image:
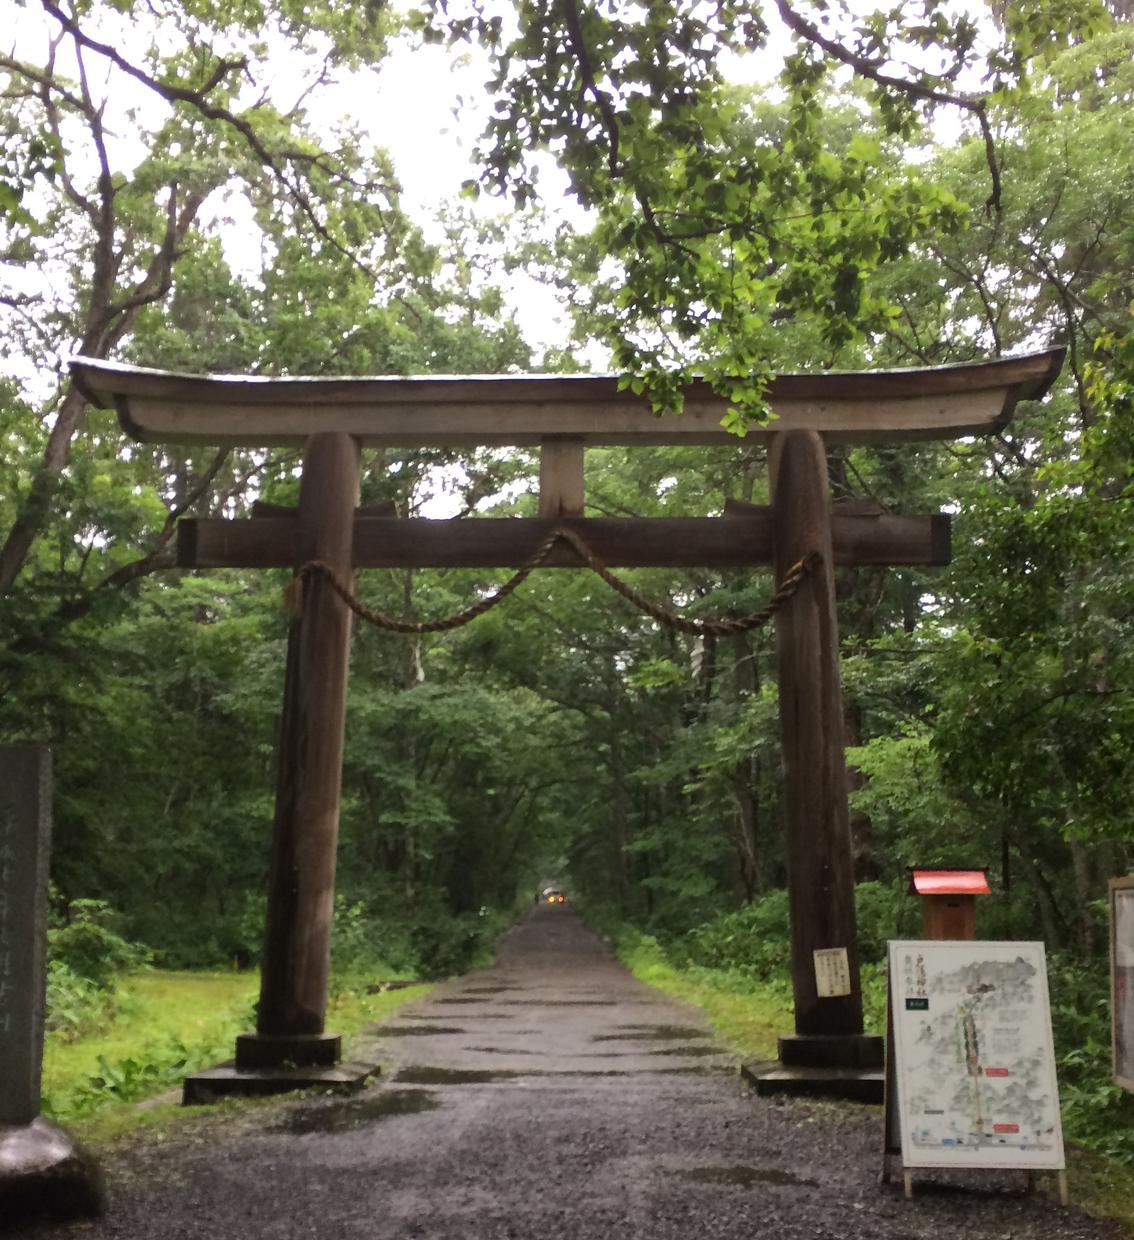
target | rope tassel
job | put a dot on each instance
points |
(790, 583)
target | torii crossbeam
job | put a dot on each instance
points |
(335, 418)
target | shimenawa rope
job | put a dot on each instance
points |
(663, 615)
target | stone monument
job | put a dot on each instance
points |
(43, 1171)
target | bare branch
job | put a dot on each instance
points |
(158, 280)
(196, 98)
(45, 79)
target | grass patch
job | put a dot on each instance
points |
(167, 1023)
(351, 1011)
(749, 1016)
(153, 1009)
(164, 1023)
(155, 1121)
(1101, 1186)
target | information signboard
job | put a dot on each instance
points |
(973, 1055)
(1122, 978)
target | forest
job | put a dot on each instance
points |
(754, 189)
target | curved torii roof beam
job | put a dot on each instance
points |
(942, 402)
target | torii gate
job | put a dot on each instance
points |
(562, 415)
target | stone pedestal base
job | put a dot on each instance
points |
(228, 1080)
(858, 1050)
(284, 1050)
(46, 1174)
(835, 1066)
(770, 1077)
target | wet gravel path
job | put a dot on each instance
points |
(552, 1095)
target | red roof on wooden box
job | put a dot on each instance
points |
(949, 882)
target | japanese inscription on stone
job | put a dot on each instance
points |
(25, 822)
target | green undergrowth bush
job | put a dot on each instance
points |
(754, 941)
(90, 943)
(75, 1005)
(429, 942)
(366, 945)
(152, 1069)
(458, 943)
(87, 956)
(1096, 1112)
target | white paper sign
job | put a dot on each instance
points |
(974, 1058)
(832, 972)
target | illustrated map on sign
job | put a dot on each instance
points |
(975, 1062)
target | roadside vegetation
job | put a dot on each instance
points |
(121, 1030)
(735, 968)
(166, 1024)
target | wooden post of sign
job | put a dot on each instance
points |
(828, 1025)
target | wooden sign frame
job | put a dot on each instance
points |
(1121, 903)
(926, 977)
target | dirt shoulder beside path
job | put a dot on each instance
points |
(551, 1095)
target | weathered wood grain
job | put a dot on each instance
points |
(860, 406)
(631, 542)
(561, 489)
(820, 869)
(297, 939)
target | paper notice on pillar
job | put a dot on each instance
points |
(832, 972)
(974, 1059)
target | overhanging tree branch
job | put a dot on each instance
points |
(197, 98)
(975, 105)
(159, 556)
(615, 166)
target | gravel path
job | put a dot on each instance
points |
(550, 1096)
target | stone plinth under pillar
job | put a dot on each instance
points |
(828, 1066)
(226, 1080)
(285, 1050)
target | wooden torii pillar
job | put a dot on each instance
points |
(334, 418)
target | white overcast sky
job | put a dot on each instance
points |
(431, 140)
(406, 105)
